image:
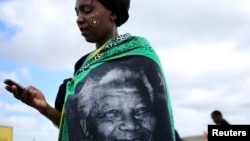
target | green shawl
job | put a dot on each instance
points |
(115, 49)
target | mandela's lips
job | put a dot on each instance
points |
(135, 139)
(140, 135)
(128, 140)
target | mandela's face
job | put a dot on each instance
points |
(122, 114)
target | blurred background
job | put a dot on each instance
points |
(204, 47)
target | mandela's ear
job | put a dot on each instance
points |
(84, 127)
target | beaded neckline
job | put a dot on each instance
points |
(110, 44)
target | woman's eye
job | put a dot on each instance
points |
(86, 10)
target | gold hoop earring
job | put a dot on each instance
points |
(113, 18)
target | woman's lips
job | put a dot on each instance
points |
(83, 30)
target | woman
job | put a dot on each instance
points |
(98, 21)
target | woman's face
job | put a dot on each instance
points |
(95, 21)
(123, 114)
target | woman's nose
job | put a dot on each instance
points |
(80, 19)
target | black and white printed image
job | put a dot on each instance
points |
(120, 105)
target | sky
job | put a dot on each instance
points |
(204, 47)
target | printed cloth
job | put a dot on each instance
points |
(119, 93)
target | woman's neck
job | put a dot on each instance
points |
(113, 34)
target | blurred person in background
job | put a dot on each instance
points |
(218, 119)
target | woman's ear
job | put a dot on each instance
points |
(113, 16)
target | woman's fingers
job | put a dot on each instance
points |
(24, 97)
(15, 92)
(8, 88)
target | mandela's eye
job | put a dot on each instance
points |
(140, 111)
(112, 114)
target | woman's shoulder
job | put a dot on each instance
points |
(79, 62)
(137, 37)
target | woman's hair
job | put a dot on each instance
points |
(119, 7)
